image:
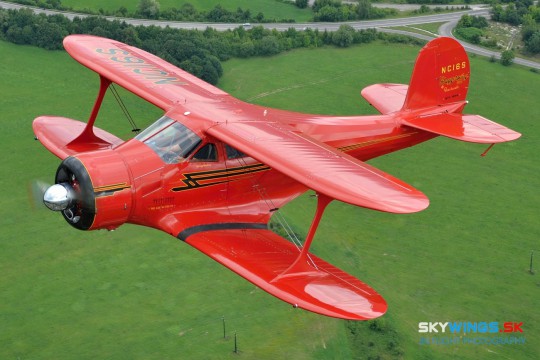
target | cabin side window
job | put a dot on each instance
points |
(233, 153)
(206, 153)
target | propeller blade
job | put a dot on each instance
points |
(36, 190)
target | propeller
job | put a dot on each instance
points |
(57, 197)
(36, 190)
(72, 194)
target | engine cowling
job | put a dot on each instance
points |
(92, 190)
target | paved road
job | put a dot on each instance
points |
(279, 26)
(449, 19)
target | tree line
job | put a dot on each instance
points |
(323, 10)
(151, 9)
(335, 11)
(198, 52)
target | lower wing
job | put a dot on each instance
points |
(270, 262)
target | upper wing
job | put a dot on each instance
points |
(386, 98)
(320, 167)
(140, 72)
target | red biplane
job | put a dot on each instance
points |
(213, 170)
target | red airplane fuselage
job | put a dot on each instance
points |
(225, 187)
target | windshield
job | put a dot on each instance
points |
(172, 141)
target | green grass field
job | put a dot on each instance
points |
(271, 9)
(138, 294)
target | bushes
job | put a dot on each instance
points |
(334, 10)
(471, 29)
(507, 57)
(375, 339)
(470, 34)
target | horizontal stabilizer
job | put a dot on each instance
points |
(263, 258)
(470, 128)
(386, 98)
(57, 134)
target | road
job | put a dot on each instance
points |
(449, 19)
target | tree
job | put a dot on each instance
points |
(344, 36)
(472, 34)
(479, 22)
(319, 4)
(507, 57)
(533, 44)
(209, 73)
(130, 36)
(497, 13)
(363, 10)
(245, 49)
(122, 11)
(327, 13)
(49, 36)
(148, 8)
(302, 4)
(511, 15)
(465, 21)
(269, 45)
(365, 36)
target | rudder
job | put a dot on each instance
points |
(440, 75)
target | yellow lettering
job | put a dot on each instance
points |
(453, 67)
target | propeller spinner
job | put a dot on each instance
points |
(58, 197)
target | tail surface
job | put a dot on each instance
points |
(440, 76)
(436, 95)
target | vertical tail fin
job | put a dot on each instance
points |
(440, 76)
(436, 96)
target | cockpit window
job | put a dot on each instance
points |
(172, 141)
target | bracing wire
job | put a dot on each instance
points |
(278, 215)
(125, 110)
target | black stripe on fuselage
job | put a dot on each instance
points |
(220, 226)
(195, 180)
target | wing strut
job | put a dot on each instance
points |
(88, 136)
(304, 265)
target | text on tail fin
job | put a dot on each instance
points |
(440, 76)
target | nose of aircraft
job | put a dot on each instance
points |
(58, 197)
